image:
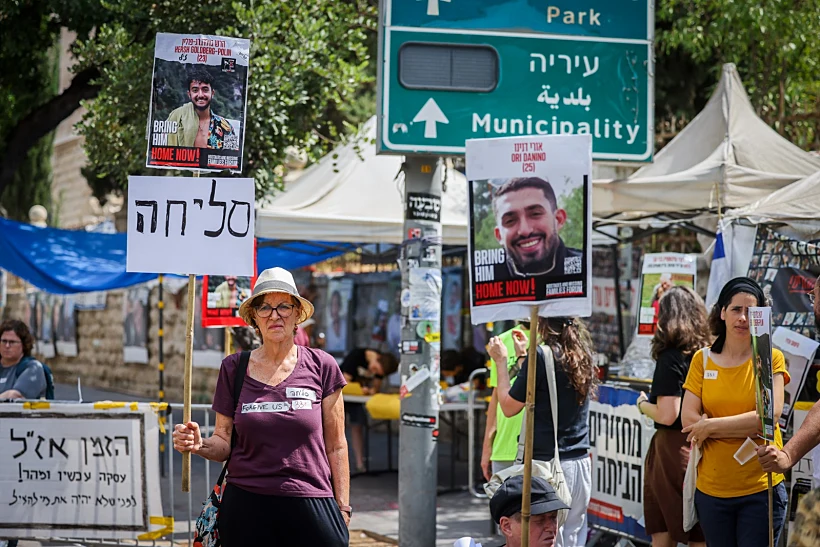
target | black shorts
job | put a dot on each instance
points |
(248, 519)
(357, 413)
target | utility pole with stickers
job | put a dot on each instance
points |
(420, 260)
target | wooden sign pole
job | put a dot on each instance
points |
(189, 367)
(528, 431)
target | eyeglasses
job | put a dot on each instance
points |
(811, 297)
(10, 342)
(284, 310)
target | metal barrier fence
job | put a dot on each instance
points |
(185, 507)
(184, 516)
(471, 434)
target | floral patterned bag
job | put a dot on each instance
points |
(207, 529)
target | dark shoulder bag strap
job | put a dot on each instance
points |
(238, 380)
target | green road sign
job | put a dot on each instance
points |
(630, 19)
(454, 79)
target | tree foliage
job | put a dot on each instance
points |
(311, 72)
(483, 217)
(309, 61)
(772, 42)
(28, 79)
(572, 233)
(32, 107)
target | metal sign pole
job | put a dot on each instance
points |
(421, 316)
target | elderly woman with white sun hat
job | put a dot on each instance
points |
(288, 476)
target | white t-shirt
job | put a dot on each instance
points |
(815, 467)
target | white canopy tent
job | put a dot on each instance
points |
(354, 196)
(726, 157)
(797, 205)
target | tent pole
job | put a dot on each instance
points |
(618, 312)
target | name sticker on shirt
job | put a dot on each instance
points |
(710, 374)
(300, 393)
(265, 407)
(301, 404)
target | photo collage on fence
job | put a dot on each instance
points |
(52, 320)
(786, 270)
(604, 319)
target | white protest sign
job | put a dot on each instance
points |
(799, 353)
(73, 469)
(530, 226)
(190, 225)
(603, 296)
(661, 272)
(619, 440)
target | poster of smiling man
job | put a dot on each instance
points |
(530, 226)
(198, 102)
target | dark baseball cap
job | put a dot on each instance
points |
(507, 499)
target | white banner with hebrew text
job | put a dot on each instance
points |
(69, 470)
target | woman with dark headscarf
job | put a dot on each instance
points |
(719, 413)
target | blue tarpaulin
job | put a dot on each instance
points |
(71, 261)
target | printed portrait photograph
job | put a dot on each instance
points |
(538, 223)
(206, 103)
(227, 291)
(336, 315)
(135, 325)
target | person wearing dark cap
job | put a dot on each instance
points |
(719, 413)
(505, 507)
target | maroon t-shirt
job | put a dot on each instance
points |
(280, 446)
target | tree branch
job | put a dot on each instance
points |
(44, 119)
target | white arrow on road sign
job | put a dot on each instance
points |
(432, 6)
(430, 114)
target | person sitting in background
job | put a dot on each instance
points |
(368, 367)
(21, 375)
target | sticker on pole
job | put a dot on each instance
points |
(530, 226)
(198, 100)
(418, 420)
(414, 381)
(422, 206)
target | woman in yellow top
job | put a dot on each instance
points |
(719, 414)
